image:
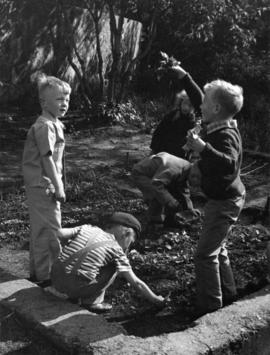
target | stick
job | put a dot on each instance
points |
(249, 165)
(257, 154)
(252, 171)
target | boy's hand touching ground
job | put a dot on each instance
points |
(159, 300)
(163, 301)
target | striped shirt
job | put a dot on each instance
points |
(109, 254)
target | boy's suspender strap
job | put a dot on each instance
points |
(86, 250)
(80, 255)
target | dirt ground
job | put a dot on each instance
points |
(98, 166)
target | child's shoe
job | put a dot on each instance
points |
(98, 307)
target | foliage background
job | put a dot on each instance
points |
(221, 38)
(228, 39)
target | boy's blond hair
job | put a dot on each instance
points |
(45, 82)
(229, 96)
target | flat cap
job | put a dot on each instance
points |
(127, 220)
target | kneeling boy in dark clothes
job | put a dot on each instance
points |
(163, 180)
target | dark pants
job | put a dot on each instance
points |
(78, 286)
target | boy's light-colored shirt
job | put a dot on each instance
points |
(44, 137)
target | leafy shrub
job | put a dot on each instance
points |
(138, 111)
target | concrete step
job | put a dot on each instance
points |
(242, 328)
(66, 325)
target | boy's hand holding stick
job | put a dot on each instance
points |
(194, 142)
(194, 134)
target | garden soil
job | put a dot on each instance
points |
(98, 164)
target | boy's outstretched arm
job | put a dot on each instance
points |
(142, 288)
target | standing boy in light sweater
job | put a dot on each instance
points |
(42, 171)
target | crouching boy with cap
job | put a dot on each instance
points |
(89, 264)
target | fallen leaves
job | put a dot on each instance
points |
(162, 257)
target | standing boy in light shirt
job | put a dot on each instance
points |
(42, 171)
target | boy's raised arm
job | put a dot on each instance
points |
(193, 91)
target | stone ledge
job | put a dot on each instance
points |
(242, 328)
(65, 324)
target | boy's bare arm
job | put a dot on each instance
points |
(67, 233)
(142, 288)
(51, 172)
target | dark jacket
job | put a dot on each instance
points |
(220, 164)
(170, 134)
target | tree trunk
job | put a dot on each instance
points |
(126, 76)
(80, 72)
(57, 38)
(116, 33)
(100, 59)
(82, 84)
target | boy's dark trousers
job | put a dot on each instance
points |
(76, 285)
(214, 277)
